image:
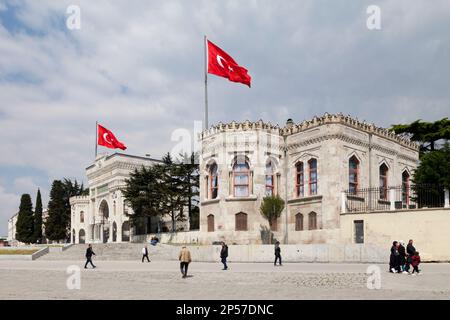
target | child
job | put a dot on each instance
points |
(415, 261)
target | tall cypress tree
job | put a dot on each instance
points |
(25, 220)
(38, 218)
(56, 225)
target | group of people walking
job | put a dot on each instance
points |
(402, 259)
(185, 257)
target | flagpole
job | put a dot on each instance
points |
(96, 138)
(206, 83)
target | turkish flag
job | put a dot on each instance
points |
(107, 139)
(221, 64)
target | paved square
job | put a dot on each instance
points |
(162, 280)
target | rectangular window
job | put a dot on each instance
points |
(359, 231)
(241, 183)
(269, 185)
(299, 182)
(312, 177)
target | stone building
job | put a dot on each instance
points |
(101, 216)
(308, 164)
(12, 228)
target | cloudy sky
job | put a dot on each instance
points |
(137, 68)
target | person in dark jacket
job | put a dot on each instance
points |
(410, 252)
(224, 255)
(277, 253)
(415, 261)
(393, 259)
(89, 253)
(145, 254)
(401, 257)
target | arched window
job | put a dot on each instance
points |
(81, 236)
(81, 217)
(353, 174)
(213, 181)
(298, 222)
(210, 223)
(270, 181)
(312, 220)
(405, 188)
(241, 179)
(299, 181)
(126, 231)
(312, 176)
(383, 181)
(241, 221)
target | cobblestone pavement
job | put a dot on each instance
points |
(162, 280)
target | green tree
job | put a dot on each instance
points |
(191, 180)
(426, 133)
(165, 189)
(25, 220)
(434, 168)
(57, 223)
(143, 193)
(271, 208)
(174, 194)
(38, 218)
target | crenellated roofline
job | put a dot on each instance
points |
(292, 128)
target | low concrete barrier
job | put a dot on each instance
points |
(60, 248)
(351, 253)
(26, 257)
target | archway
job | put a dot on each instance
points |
(73, 235)
(126, 231)
(104, 214)
(82, 236)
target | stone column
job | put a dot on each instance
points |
(446, 198)
(119, 232)
(111, 232)
(343, 202)
(392, 199)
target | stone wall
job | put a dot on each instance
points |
(429, 228)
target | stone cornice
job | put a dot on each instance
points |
(241, 126)
(316, 140)
(349, 139)
(308, 124)
(79, 200)
(115, 165)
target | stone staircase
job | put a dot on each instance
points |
(115, 251)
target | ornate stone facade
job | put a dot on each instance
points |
(101, 216)
(307, 164)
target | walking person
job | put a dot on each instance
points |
(401, 257)
(145, 254)
(415, 261)
(410, 250)
(89, 254)
(277, 253)
(185, 259)
(224, 255)
(393, 259)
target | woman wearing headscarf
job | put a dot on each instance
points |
(393, 259)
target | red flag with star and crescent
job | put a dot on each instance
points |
(222, 65)
(107, 139)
